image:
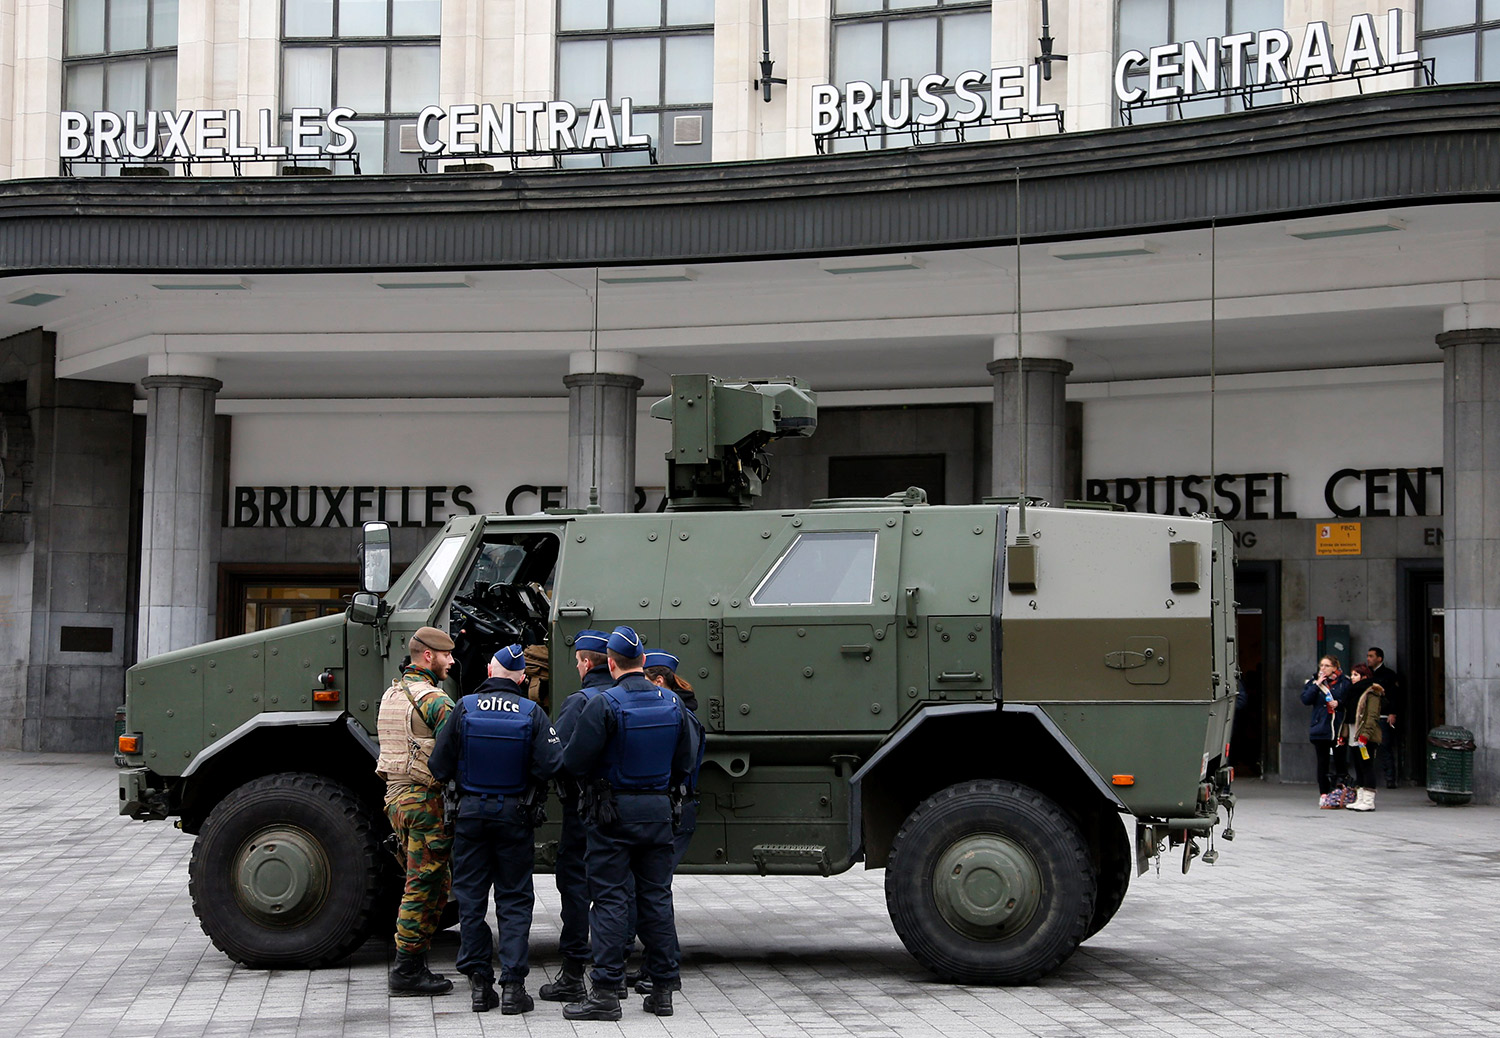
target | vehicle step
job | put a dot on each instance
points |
(816, 854)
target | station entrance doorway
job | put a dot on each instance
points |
(1254, 745)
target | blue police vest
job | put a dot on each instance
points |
(495, 752)
(640, 755)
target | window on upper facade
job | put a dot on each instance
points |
(1462, 37)
(1143, 24)
(659, 54)
(878, 40)
(119, 56)
(378, 57)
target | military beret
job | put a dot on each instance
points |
(434, 639)
(591, 641)
(512, 657)
(657, 658)
(626, 642)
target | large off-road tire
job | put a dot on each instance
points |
(989, 882)
(286, 873)
(1111, 874)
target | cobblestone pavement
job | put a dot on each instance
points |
(1311, 923)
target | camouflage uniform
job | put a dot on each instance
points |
(425, 835)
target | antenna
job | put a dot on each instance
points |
(597, 438)
(1020, 372)
(1213, 356)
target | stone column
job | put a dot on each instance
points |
(1044, 380)
(601, 429)
(1471, 536)
(177, 510)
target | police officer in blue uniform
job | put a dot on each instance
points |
(500, 749)
(634, 743)
(661, 669)
(571, 869)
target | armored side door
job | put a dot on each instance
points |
(809, 634)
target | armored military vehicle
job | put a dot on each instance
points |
(970, 697)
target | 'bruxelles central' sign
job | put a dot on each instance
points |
(519, 128)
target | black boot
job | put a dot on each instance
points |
(659, 1002)
(568, 987)
(482, 997)
(601, 1004)
(514, 999)
(643, 986)
(410, 976)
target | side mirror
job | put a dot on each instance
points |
(375, 559)
(365, 609)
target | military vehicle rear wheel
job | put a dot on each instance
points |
(1112, 876)
(989, 882)
(285, 874)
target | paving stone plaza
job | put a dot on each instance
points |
(1311, 923)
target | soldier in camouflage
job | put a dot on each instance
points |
(411, 712)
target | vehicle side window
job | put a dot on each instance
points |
(424, 591)
(822, 569)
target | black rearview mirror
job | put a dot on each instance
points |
(375, 558)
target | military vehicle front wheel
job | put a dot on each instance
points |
(285, 873)
(989, 882)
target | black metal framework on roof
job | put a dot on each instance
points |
(1426, 146)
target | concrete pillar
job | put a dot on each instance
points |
(601, 429)
(1042, 374)
(177, 510)
(1471, 533)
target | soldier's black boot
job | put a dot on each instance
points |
(514, 999)
(601, 1004)
(568, 987)
(658, 1002)
(410, 976)
(482, 996)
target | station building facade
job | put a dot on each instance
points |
(270, 269)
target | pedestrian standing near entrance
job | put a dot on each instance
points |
(572, 845)
(1364, 747)
(412, 712)
(500, 751)
(1395, 706)
(1322, 694)
(632, 744)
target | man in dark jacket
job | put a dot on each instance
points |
(500, 749)
(1395, 704)
(1323, 693)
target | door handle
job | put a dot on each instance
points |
(581, 611)
(959, 675)
(856, 650)
(911, 607)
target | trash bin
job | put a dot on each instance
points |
(1450, 765)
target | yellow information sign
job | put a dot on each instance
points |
(1338, 538)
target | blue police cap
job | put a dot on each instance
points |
(512, 657)
(626, 642)
(657, 658)
(591, 641)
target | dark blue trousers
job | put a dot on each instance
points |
(493, 849)
(680, 841)
(637, 846)
(573, 886)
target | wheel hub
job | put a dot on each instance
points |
(986, 886)
(281, 876)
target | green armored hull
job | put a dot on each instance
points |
(970, 697)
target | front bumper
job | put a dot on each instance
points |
(139, 799)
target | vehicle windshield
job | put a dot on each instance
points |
(424, 590)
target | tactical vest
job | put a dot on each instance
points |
(405, 740)
(495, 753)
(640, 755)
